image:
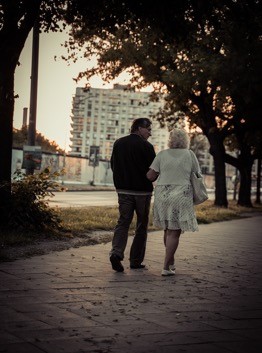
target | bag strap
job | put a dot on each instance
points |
(194, 167)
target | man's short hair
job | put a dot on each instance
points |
(140, 122)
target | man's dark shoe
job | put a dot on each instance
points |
(134, 267)
(116, 263)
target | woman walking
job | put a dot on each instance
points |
(173, 209)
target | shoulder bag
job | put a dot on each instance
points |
(199, 187)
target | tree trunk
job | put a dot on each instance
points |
(218, 152)
(6, 132)
(245, 170)
(220, 180)
(11, 45)
(244, 196)
(258, 194)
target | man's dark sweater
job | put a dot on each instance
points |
(130, 161)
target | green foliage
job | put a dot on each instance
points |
(28, 208)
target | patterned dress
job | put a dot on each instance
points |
(173, 197)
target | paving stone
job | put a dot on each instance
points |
(71, 301)
(23, 347)
(253, 346)
(7, 338)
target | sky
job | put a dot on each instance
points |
(56, 87)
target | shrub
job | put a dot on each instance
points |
(29, 208)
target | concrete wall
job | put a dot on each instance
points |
(77, 169)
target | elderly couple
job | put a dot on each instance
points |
(135, 166)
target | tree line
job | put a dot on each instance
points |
(20, 138)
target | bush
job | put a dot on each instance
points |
(29, 208)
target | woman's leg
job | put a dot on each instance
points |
(172, 241)
(165, 235)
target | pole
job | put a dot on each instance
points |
(34, 81)
(33, 92)
(24, 117)
(94, 170)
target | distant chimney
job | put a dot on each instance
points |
(25, 110)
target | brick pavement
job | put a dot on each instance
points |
(71, 301)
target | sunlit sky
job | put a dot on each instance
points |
(56, 87)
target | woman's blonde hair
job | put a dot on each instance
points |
(178, 138)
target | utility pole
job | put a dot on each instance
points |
(34, 81)
(33, 97)
(24, 124)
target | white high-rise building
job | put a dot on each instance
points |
(100, 116)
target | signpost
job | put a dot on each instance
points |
(94, 160)
(32, 158)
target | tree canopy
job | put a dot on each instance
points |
(205, 57)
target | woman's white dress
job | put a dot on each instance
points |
(173, 197)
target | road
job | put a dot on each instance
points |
(87, 198)
(84, 198)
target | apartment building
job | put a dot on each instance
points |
(100, 116)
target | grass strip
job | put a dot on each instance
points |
(79, 221)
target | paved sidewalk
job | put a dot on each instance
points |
(72, 301)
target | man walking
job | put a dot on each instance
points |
(131, 157)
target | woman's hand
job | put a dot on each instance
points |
(152, 175)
